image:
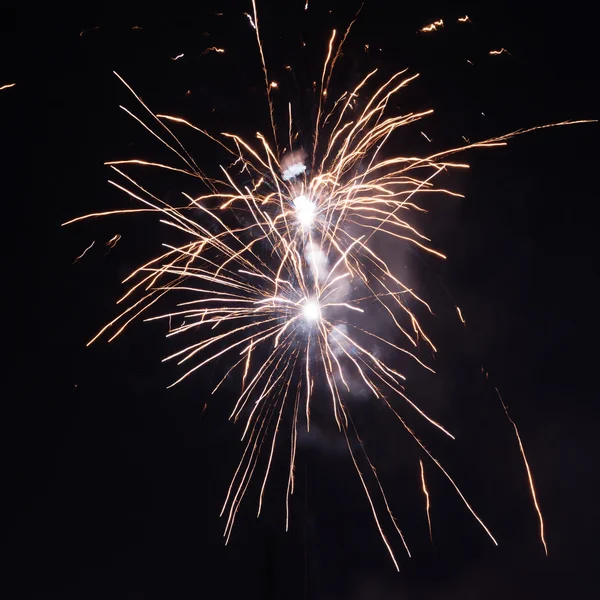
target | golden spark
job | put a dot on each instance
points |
(529, 475)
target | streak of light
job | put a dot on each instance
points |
(460, 316)
(470, 62)
(213, 49)
(425, 136)
(464, 19)
(7, 86)
(178, 56)
(251, 20)
(498, 52)
(433, 26)
(113, 241)
(90, 29)
(424, 487)
(529, 475)
(84, 252)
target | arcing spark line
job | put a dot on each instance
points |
(278, 269)
(529, 475)
(426, 494)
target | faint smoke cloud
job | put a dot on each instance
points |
(317, 260)
(292, 165)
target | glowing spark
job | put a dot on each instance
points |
(136, 28)
(425, 136)
(274, 84)
(213, 49)
(433, 26)
(366, 47)
(460, 315)
(84, 252)
(497, 52)
(306, 5)
(467, 140)
(113, 241)
(464, 19)
(177, 57)
(305, 211)
(470, 62)
(424, 487)
(529, 475)
(8, 85)
(311, 310)
(251, 20)
(90, 29)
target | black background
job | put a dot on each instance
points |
(114, 484)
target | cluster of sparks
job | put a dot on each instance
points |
(279, 271)
(440, 23)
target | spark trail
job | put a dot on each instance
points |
(529, 475)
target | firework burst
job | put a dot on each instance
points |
(278, 270)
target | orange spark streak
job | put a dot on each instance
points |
(90, 29)
(211, 49)
(460, 316)
(84, 252)
(113, 240)
(433, 26)
(424, 487)
(7, 86)
(529, 475)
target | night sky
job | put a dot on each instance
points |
(114, 483)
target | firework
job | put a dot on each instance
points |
(278, 270)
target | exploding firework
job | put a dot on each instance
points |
(278, 270)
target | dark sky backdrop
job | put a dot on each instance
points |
(114, 484)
